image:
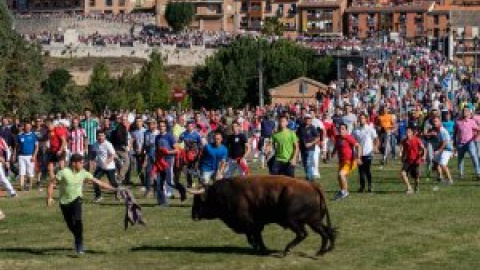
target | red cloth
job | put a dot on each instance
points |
(344, 146)
(243, 165)
(411, 148)
(160, 164)
(55, 137)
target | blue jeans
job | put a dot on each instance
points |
(308, 163)
(164, 180)
(471, 148)
(282, 168)
(148, 172)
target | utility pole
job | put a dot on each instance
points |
(260, 76)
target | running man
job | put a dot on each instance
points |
(27, 151)
(442, 152)
(286, 148)
(238, 149)
(213, 160)
(70, 183)
(413, 152)
(105, 163)
(348, 158)
(367, 137)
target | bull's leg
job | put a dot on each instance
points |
(320, 229)
(301, 234)
(251, 241)
(259, 240)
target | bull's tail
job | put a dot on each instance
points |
(329, 229)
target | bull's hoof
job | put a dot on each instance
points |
(321, 253)
(285, 253)
(263, 251)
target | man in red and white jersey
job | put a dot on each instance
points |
(77, 138)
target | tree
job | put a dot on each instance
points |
(21, 70)
(272, 27)
(153, 83)
(57, 81)
(230, 77)
(179, 15)
(100, 89)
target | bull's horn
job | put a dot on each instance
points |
(196, 191)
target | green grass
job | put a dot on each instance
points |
(386, 230)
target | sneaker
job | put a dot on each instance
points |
(97, 199)
(341, 195)
(447, 182)
(361, 190)
(13, 195)
(143, 189)
(409, 192)
(416, 189)
(79, 249)
(461, 176)
(370, 190)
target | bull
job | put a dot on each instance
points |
(246, 204)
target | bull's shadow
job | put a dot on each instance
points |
(201, 250)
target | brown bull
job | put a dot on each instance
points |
(247, 204)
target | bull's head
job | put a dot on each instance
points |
(200, 208)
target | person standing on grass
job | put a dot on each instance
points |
(442, 152)
(286, 148)
(345, 145)
(464, 133)
(70, 184)
(77, 138)
(5, 155)
(213, 160)
(105, 163)
(120, 142)
(367, 137)
(27, 150)
(308, 136)
(149, 151)
(57, 151)
(91, 127)
(238, 150)
(413, 152)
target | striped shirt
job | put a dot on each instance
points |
(90, 126)
(77, 141)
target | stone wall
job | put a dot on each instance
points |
(84, 26)
(172, 55)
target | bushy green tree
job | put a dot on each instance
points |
(179, 14)
(153, 83)
(100, 89)
(272, 27)
(230, 77)
(21, 70)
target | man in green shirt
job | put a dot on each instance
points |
(285, 145)
(70, 185)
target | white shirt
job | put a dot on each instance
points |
(317, 123)
(103, 150)
(365, 136)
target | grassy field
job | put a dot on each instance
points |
(385, 230)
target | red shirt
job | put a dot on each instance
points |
(344, 145)
(411, 149)
(329, 129)
(55, 137)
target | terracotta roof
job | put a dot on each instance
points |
(296, 81)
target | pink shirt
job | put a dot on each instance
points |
(476, 117)
(465, 130)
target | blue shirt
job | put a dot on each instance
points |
(27, 143)
(449, 125)
(267, 127)
(166, 140)
(212, 156)
(191, 136)
(444, 137)
(402, 128)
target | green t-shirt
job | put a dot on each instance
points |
(71, 184)
(284, 142)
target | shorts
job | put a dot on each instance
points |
(443, 157)
(92, 153)
(411, 169)
(347, 167)
(54, 158)
(206, 177)
(26, 166)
